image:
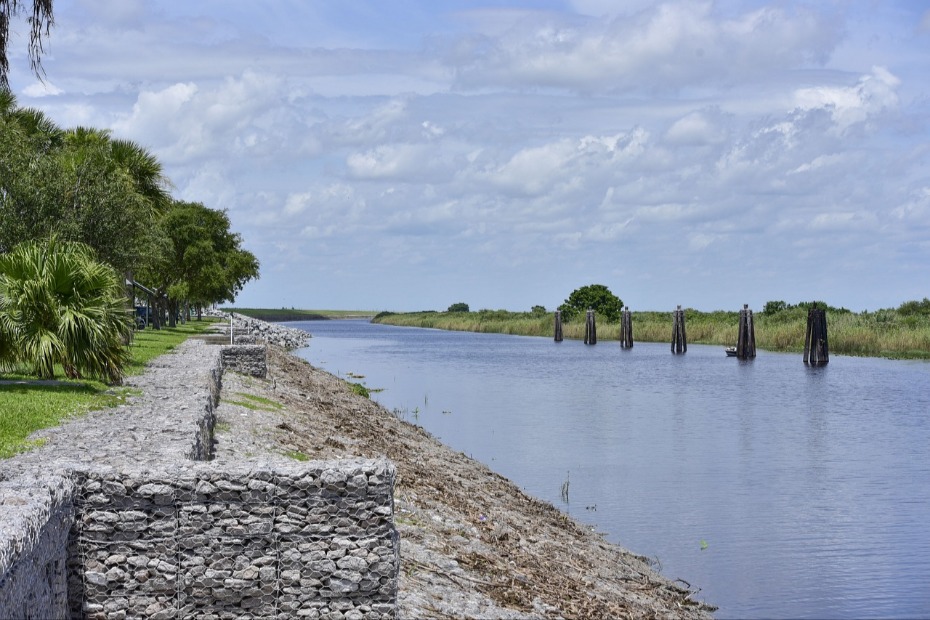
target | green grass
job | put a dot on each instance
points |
(26, 408)
(255, 403)
(359, 389)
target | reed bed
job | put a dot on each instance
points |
(885, 333)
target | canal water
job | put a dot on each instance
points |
(777, 489)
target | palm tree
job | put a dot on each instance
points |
(41, 131)
(29, 175)
(143, 171)
(40, 22)
(59, 305)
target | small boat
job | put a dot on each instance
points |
(730, 351)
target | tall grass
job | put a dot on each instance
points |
(886, 333)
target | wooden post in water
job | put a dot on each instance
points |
(590, 328)
(746, 339)
(816, 347)
(626, 329)
(679, 336)
(558, 326)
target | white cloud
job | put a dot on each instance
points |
(701, 241)
(42, 89)
(821, 161)
(155, 112)
(916, 210)
(669, 46)
(337, 199)
(695, 129)
(871, 95)
(532, 171)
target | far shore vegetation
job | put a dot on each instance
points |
(283, 315)
(897, 333)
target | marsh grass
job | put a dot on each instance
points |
(255, 403)
(297, 455)
(885, 333)
(359, 389)
(28, 405)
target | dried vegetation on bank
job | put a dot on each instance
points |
(472, 543)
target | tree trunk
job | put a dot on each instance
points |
(156, 313)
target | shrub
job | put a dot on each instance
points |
(59, 305)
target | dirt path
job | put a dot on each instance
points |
(472, 543)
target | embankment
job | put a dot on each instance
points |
(132, 512)
(473, 545)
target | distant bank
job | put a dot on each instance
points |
(900, 333)
(275, 315)
(894, 334)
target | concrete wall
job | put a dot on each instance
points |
(200, 539)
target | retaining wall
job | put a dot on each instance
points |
(181, 540)
(247, 359)
(36, 515)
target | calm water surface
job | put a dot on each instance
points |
(778, 489)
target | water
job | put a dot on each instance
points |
(778, 489)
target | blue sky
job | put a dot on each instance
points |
(409, 155)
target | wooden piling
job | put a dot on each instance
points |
(558, 326)
(746, 338)
(816, 346)
(626, 329)
(590, 328)
(679, 336)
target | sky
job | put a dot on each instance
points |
(411, 154)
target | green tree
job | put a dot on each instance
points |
(40, 23)
(914, 307)
(29, 173)
(109, 195)
(78, 184)
(538, 310)
(197, 258)
(595, 297)
(60, 305)
(458, 307)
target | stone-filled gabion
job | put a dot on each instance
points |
(245, 359)
(255, 331)
(309, 540)
(96, 536)
(37, 517)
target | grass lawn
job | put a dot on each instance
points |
(28, 407)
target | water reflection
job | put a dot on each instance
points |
(780, 489)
